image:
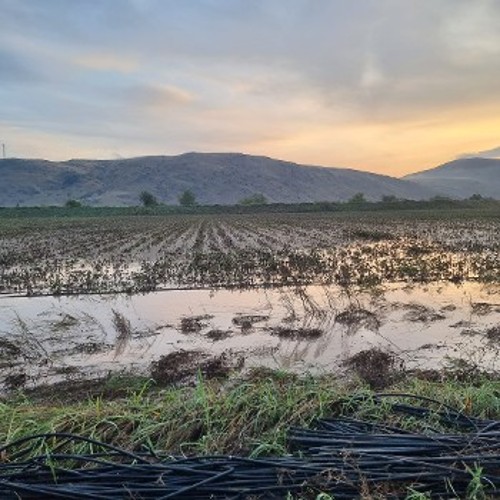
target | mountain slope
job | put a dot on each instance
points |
(462, 178)
(215, 178)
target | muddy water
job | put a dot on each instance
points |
(47, 339)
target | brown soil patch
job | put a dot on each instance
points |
(449, 308)
(73, 391)
(462, 324)
(375, 367)
(15, 381)
(180, 366)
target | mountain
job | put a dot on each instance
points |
(215, 178)
(462, 178)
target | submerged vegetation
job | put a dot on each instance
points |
(145, 253)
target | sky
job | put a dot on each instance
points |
(387, 86)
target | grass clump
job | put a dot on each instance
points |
(251, 416)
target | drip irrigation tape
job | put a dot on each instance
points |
(341, 456)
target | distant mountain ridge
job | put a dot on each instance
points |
(462, 178)
(214, 178)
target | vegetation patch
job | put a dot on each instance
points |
(9, 349)
(247, 321)
(150, 248)
(356, 317)
(484, 308)
(284, 332)
(216, 335)
(493, 335)
(194, 324)
(418, 313)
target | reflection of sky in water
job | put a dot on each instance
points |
(421, 324)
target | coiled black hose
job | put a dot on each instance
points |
(341, 456)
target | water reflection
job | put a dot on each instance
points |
(311, 328)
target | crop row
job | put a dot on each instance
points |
(131, 254)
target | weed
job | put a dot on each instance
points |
(475, 488)
(124, 332)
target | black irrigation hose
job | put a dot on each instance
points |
(340, 456)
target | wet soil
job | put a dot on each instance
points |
(376, 367)
(183, 366)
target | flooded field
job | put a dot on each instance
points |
(317, 329)
(138, 254)
(168, 296)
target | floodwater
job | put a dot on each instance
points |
(314, 328)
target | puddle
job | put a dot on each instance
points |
(314, 328)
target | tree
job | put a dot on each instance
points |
(148, 199)
(476, 197)
(389, 198)
(358, 198)
(187, 198)
(255, 199)
(72, 204)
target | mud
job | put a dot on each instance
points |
(185, 366)
(376, 367)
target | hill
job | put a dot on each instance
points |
(462, 178)
(215, 178)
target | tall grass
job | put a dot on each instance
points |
(248, 417)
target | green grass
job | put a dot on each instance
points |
(250, 416)
(487, 207)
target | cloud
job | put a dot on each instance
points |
(381, 84)
(107, 62)
(157, 96)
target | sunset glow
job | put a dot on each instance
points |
(385, 86)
